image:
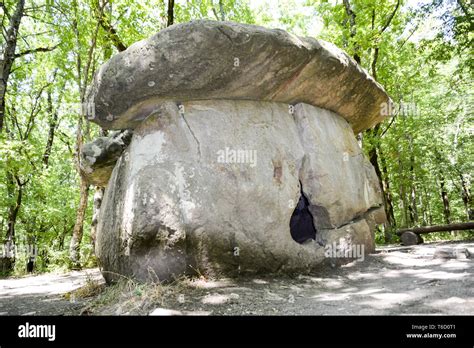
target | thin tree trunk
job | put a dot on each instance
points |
(221, 9)
(82, 81)
(428, 206)
(402, 193)
(120, 46)
(373, 157)
(8, 262)
(74, 247)
(466, 197)
(388, 193)
(78, 230)
(413, 203)
(13, 214)
(353, 28)
(170, 13)
(424, 220)
(8, 55)
(98, 195)
(105, 23)
(375, 151)
(444, 197)
(53, 121)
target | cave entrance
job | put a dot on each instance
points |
(301, 222)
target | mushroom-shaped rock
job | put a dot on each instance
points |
(225, 60)
(243, 156)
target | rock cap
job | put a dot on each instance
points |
(225, 60)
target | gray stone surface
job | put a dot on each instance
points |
(98, 157)
(340, 183)
(226, 60)
(411, 238)
(178, 202)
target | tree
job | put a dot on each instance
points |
(8, 55)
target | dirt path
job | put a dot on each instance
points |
(405, 280)
(395, 280)
(43, 294)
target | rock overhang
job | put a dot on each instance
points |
(224, 60)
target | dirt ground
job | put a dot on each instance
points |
(395, 280)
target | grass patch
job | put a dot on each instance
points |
(130, 297)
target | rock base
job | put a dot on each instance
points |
(210, 187)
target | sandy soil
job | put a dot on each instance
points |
(395, 280)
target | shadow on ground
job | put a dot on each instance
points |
(395, 280)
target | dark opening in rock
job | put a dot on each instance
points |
(301, 222)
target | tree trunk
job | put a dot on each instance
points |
(373, 157)
(98, 195)
(8, 261)
(170, 13)
(83, 74)
(6, 62)
(105, 23)
(413, 204)
(428, 206)
(466, 198)
(444, 197)
(353, 28)
(78, 230)
(402, 192)
(388, 193)
(53, 121)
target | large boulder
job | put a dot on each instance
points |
(225, 60)
(212, 189)
(243, 156)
